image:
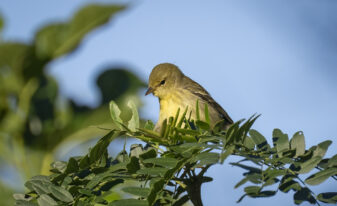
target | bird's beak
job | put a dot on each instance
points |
(149, 91)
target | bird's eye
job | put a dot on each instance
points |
(162, 82)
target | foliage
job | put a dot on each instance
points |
(170, 168)
(35, 121)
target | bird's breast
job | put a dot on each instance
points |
(170, 106)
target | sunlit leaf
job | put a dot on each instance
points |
(133, 123)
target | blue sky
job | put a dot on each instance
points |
(275, 58)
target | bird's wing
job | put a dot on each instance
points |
(199, 91)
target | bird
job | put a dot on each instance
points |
(176, 90)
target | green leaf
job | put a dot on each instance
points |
(101, 147)
(84, 162)
(182, 118)
(58, 39)
(259, 139)
(133, 166)
(227, 152)
(151, 153)
(197, 110)
(310, 164)
(156, 171)
(287, 183)
(39, 184)
(115, 113)
(206, 158)
(149, 125)
(61, 193)
(46, 200)
(136, 150)
(182, 201)
(138, 191)
(241, 182)
(156, 186)
(167, 162)
(328, 197)
(281, 142)
(252, 189)
(24, 203)
(129, 202)
(249, 143)
(304, 195)
(59, 166)
(249, 168)
(332, 161)
(321, 176)
(187, 131)
(202, 125)
(298, 143)
(133, 123)
(322, 148)
(72, 166)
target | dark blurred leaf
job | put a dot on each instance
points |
(72, 166)
(181, 201)
(304, 195)
(58, 39)
(321, 176)
(133, 166)
(328, 197)
(151, 153)
(117, 82)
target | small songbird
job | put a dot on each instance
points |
(175, 90)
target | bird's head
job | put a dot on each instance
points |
(164, 78)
